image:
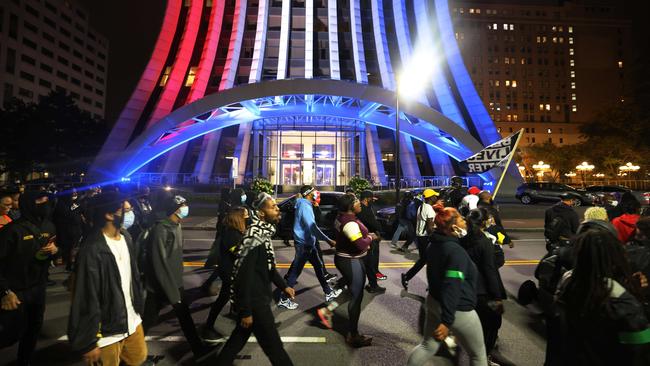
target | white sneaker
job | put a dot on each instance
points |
(332, 295)
(492, 363)
(287, 304)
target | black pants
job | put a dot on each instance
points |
(320, 255)
(33, 308)
(267, 336)
(303, 255)
(490, 321)
(422, 243)
(353, 272)
(152, 306)
(222, 299)
(371, 262)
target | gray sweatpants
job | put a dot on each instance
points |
(466, 328)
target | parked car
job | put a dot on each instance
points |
(599, 192)
(529, 193)
(329, 210)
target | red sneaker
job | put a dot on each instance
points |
(381, 277)
(325, 317)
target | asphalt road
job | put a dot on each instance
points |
(394, 319)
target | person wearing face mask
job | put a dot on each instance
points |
(451, 303)
(27, 246)
(424, 226)
(105, 323)
(164, 270)
(69, 225)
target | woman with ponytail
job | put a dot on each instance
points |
(452, 279)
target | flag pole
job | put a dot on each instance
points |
(505, 169)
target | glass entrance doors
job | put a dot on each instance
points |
(325, 174)
(291, 173)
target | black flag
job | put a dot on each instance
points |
(495, 155)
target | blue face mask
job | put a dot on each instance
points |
(184, 211)
(129, 219)
(243, 199)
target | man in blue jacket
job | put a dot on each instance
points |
(305, 234)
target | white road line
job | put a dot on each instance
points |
(223, 340)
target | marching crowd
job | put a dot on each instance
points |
(124, 254)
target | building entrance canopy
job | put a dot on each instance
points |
(290, 99)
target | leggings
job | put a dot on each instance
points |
(466, 328)
(490, 321)
(222, 299)
(422, 243)
(371, 263)
(353, 272)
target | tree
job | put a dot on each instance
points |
(53, 134)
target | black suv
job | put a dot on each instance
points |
(328, 207)
(529, 193)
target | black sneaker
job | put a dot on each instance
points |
(375, 289)
(405, 282)
(209, 335)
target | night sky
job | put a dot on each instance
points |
(132, 28)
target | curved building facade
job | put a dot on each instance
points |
(299, 91)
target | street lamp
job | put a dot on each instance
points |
(410, 83)
(570, 174)
(522, 170)
(542, 167)
(583, 168)
(599, 175)
(628, 168)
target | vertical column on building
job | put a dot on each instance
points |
(197, 91)
(283, 49)
(208, 156)
(369, 135)
(120, 134)
(438, 159)
(407, 155)
(309, 39)
(333, 39)
(255, 76)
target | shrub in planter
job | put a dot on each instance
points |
(358, 184)
(261, 184)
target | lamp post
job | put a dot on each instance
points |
(628, 168)
(583, 168)
(542, 167)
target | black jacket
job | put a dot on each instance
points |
(492, 210)
(20, 240)
(452, 276)
(367, 217)
(569, 215)
(228, 244)
(481, 251)
(98, 306)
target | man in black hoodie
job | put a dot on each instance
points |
(105, 324)
(253, 272)
(561, 221)
(27, 245)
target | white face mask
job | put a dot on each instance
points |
(460, 232)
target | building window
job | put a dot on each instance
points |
(46, 67)
(165, 77)
(573, 74)
(190, 76)
(561, 140)
(570, 29)
(548, 130)
(574, 108)
(47, 52)
(572, 63)
(620, 64)
(45, 83)
(11, 61)
(25, 93)
(28, 60)
(573, 96)
(570, 40)
(573, 85)
(26, 76)
(29, 43)
(13, 26)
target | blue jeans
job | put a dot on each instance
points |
(306, 254)
(404, 225)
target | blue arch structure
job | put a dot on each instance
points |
(294, 97)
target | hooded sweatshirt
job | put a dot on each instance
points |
(626, 226)
(567, 213)
(305, 230)
(20, 240)
(165, 260)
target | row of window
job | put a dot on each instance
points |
(26, 93)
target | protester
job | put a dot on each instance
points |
(305, 233)
(487, 202)
(470, 201)
(317, 217)
(455, 194)
(490, 290)
(625, 223)
(164, 270)
(69, 225)
(596, 213)
(627, 199)
(143, 209)
(561, 221)
(234, 227)
(105, 322)
(600, 308)
(27, 246)
(451, 303)
(425, 225)
(368, 219)
(638, 251)
(15, 193)
(404, 222)
(353, 241)
(253, 271)
(6, 203)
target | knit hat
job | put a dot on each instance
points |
(172, 203)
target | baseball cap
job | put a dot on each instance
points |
(428, 193)
(366, 194)
(473, 190)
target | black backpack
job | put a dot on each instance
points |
(555, 228)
